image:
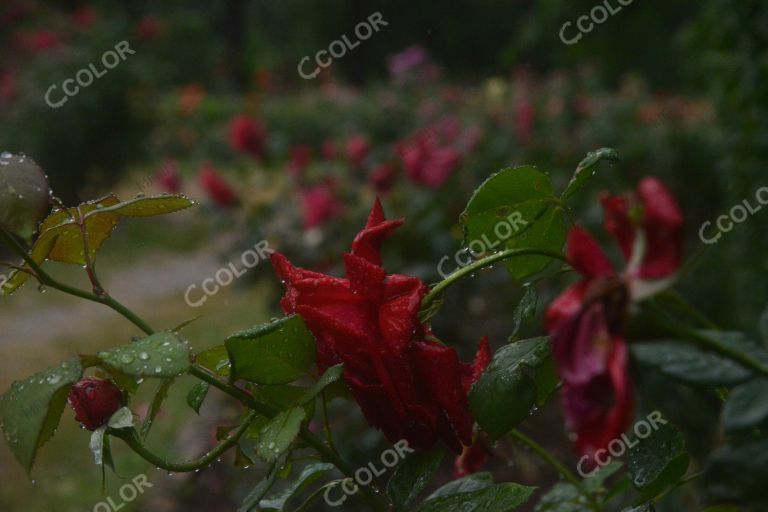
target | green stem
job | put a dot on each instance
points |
(482, 263)
(556, 464)
(45, 279)
(675, 298)
(308, 437)
(658, 316)
(132, 439)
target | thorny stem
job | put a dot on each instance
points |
(132, 439)
(675, 298)
(45, 279)
(557, 465)
(438, 289)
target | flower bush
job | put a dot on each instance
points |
(369, 337)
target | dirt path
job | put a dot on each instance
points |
(33, 319)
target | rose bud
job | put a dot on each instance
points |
(94, 402)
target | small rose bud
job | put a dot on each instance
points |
(94, 401)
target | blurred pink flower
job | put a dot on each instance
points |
(525, 115)
(299, 159)
(217, 188)
(148, 27)
(357, 149)
(328, 150)
(402, 63)
(319, 205)
(8, 87)
(168, 177)
(247, 136)
(39, 41)
(426, 162)
(382, 178)
(84, 16)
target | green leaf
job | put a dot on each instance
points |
(308, 476)
(147, 206)
(563, 497)
(330, 376)
(477, 493)
(594, 483)
(658, 461)
(275, 353)
(30, 411)
(586, 169)
(689, 364)
(277, 435)
(763, 327)
(508, 389)
(251, 501)
(738, 473)
(61, 237)
(645, 507)
(412, 476)
(284, 396)
(722, 508)
(525, 309)
(161, 355)
(155, 405)
(514, 209)
(197, 394)
(747, 406)
(24, 194)
(216, 359)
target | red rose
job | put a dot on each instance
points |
(472, 459)
(247, 136)
(586, 321)
(218, 190)
(94, 401)
(407, 384)
(382, 178)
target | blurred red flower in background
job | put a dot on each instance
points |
(219, 191)
(382, 178)
(247, 136)
(426, 162)
(319, 205)
(148, 28)
(168, 177)
(299, 159)
(94, 401)
(586, 321)
(357, 149)
(407, 384)
(84, 16)
(328, 150)
(39, 41)
(525, 117)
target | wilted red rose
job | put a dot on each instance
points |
(94, 401)
(217, 188)
(357, 149)
(247, 135)
(320, 205)
(586, 321)
(407, 384)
